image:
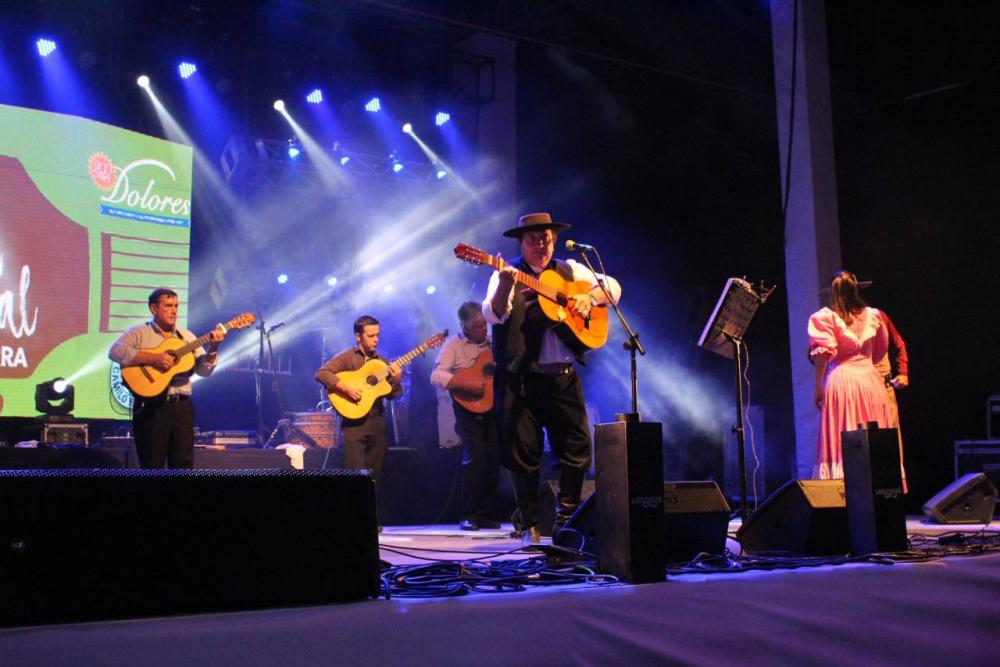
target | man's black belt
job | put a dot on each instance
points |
(171, 398)
(552, 369)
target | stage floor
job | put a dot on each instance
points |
(944, 611)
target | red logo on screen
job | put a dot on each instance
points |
(101, 171)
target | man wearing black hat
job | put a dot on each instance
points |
(535, 384)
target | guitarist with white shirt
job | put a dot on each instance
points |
(164, 424)
(536, 384)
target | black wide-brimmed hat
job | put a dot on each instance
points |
(535, 222)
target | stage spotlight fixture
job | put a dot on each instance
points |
(186, 69)
(388, 288)
(282, 278)
(374, 105)
(441, 173)
(315, 96)
(408, 128)
(279, 105)
(431, 289)
(331, 281)
(54, 397)
(440, 118)
(45, 47)
(338, 152)
(143, 81)
(294, 148)
(397, 164)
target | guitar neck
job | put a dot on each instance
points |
(403, 360)
(525, 279)
(196, 343)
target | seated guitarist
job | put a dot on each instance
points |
(536, 384)
(164, 425)
(365, 439)
(477, 428)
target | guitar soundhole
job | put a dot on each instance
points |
(371, 380)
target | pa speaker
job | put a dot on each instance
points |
(92, 544)
(803, 517)
(873, 482)
(969, 499)
(695, 519)
(548, 497)
(630, 500)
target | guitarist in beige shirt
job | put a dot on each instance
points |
(164, 425)
(465, 367)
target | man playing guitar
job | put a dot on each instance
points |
(365, 439)
(164, 424)
(465, 367)
(536, 382)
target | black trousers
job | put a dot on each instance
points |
(480, 462)
(164, 433)
(530, 403)
(365, 444)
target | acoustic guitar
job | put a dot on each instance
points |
(148, 382)
(373, 379)
(481, 371)
(556, 292)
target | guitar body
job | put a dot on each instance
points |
(481, 370)
(149, 382)
(370, 378)
(592, 331)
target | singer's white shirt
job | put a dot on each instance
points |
(553, 351)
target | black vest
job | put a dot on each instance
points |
(518, 341)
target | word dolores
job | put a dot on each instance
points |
(145, 199)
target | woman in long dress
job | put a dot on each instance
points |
(844, 341)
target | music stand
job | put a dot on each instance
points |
(723, 335)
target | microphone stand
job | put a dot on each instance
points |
(632, 344)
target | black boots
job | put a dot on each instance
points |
(570, 488)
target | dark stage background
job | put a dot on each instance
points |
(650, 126)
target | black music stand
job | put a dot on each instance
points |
(723, 335)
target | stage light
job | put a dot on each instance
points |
(282, 278)
(440, 118)
(331, 281)
(315, 96)
(294, 148)
(397, 164)
(143, 81)
(431, 289)
(374, 105)
(45, 47)
(338, 151)
(441, 173)
(344, 159)
(388, 288)
(279, 105)
(54, 397)
(186, 69)
(408, 128)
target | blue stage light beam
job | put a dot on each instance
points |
(45, 47)
(186, 69)
(332, 176)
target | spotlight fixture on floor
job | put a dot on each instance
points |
(54, 397)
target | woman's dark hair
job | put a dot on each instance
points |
(845, 295)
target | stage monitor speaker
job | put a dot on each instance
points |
(548, 495)
(695, 519)
(873, 483)
(630, 500)
(804, 517)
(969, 499)
(100, 544)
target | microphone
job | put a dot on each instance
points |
(276, 326)
(573, 245)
